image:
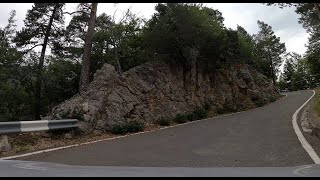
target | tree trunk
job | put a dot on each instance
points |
(272, 70)
(316, 5)
(84, 77)
(117, 58)
(40, 65)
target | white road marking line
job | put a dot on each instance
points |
(301, 138)
(118, 137)
(30, 166)
(297, 171)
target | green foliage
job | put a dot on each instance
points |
(164, 121)
(124, 127)
(180, 118)
(61, 81)
(184, 34)
(297, 73)
(273, 99)
(199, 113)
(269, 50)
(74, 114)
(134, 126)
(246, 47)
(260, 102)
(36, 24)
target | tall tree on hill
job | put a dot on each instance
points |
(10, 29)
(289, 68)
(43, 27)
(270, 50)
(84, 77)
(75, 33)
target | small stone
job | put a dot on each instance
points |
(4, 144)
(86, 117)
(68, 136)
(85, 107)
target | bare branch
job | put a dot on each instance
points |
(70, 13)
(32, 48)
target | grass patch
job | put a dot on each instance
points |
(127, 127)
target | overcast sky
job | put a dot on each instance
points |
(283, 21)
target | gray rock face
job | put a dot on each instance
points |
(155, 90)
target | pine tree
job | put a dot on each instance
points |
(270, 50)
(85, 70)
(43, 27)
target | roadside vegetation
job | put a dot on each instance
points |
(182, 34)
(317, 101)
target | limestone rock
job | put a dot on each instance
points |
(4, 144)
(154, 89)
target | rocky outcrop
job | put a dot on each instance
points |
(155, 90)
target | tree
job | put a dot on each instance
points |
(246, 46)
(118, 43)
(186, 35)
(12, 94)
(43, 26)
(10, 29)
(61, 81)
(290, 68)
(269, 50)
(85, 70)
(75, 33)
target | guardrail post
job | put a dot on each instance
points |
(4, 144)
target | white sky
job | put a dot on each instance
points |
(284, 21)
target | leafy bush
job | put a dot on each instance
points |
(180, 118)
(134, 126)
(76, 114)
(200, 113)
(273, 99)
(127, 127)
(191, 117)
(260, 102)
(221, 111)
(118, 128)
(164, 121)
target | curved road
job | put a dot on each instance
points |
(255, 138)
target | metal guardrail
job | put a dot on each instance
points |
(41, 125)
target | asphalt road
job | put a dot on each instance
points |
(255, 138)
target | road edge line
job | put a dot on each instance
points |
(117, 137)
(305, 144)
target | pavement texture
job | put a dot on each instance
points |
(261, 137)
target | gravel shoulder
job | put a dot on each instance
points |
(309, 123)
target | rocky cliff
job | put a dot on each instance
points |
(155, 90)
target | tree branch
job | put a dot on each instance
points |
(70, 13)
(32, 48)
